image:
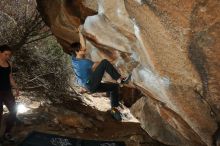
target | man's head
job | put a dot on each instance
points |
(5, 48)
(78, 49)
(5, 52)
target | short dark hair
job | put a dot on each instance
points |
(5, 48)
(76, 47)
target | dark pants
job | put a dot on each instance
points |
(8, 99)
(95, 85)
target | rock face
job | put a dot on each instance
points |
(171, 48)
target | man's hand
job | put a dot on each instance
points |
(17, 93)
(80, 29)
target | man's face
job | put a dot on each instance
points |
(5, 55)
(81, 52)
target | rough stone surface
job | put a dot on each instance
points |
(75, 119)
(172, 49)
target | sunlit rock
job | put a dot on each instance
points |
(171, 48)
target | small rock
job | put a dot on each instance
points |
(137, 138)
(100, 118)
(55, 120)
(80, 130)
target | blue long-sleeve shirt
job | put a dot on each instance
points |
(82, 69)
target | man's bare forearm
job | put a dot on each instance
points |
(13, 83)
(94, 66)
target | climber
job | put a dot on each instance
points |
(89, 75)
(6, 96)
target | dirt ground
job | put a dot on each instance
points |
(76, 119)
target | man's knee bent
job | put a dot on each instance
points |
(105, 61)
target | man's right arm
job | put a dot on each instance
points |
(81, 37)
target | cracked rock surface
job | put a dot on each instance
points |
(171, 48)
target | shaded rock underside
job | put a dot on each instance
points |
(171, 47)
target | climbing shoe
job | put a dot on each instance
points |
(116, 114)
(126, 79)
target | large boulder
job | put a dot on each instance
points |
(171, 48)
